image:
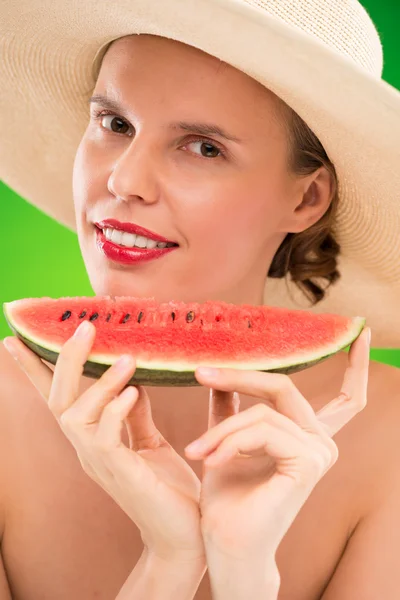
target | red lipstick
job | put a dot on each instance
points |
(131, 228)
(123, 254)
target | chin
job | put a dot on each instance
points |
(123, 284)
(114, 284)
(128, 284)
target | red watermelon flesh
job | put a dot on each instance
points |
(171, 338)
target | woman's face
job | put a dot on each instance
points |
(227, 204)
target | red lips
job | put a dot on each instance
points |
(132, 228)
(129, 256)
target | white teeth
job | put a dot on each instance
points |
(128, 239)
(141, 241)
(131, 240)
(116, 236)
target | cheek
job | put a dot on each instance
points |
(246, 215)
(86, 188)
(89, 180)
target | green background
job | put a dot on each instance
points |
(42, 258)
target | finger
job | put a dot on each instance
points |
(139, 422)
(111, 423)
(221, 406)
(212, 438)
(266, 436)
(89, 406)
(279, 389)
(353, 395)
(301, 460)
(39, 374)
(69, 368)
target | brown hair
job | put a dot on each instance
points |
(312, 253)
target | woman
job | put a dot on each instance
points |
(264, 202)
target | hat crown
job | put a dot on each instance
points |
(343, 25)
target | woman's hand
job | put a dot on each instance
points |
(153, 485)
(249, 501)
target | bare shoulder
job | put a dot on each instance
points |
(17, 392)
(369, 564)
(383, 414)
(370, 441)
(24, 413)
(15, 388)
(383, 407)
(386, 375)
(26, 427)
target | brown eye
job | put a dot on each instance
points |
(116, 123)
(207, 150)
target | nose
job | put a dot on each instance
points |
(134, 176)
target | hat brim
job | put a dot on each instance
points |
(46, 75)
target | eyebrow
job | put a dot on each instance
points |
(201, 128)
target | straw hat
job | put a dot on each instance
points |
(327, 65)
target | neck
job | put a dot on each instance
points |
(243, 293)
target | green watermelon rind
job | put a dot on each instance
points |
(181, 374)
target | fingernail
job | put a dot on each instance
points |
(207, 372)
(83, 330)
(124, 362)
(369, 335)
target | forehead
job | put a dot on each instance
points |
(137, 67)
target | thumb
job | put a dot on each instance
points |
(143, 434)
(221, 406)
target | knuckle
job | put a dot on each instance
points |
(69, 348)
(69, 420)
(111, 382)
(110, 407)
(315, 463)
(102, 446)
(261, 410)
(65, 357)
(282, 384)
(265, 428)
(285, 383)
(361, 402)
(332, 449)
(110, 376)
(226, 445)
(357, 401)
(329, 455)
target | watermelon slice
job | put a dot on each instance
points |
(169, 340)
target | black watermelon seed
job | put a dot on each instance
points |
(201, 322)
(140, 317)
(173, 316)
(108, 317)
(218, 318)
(66, 315)
(83, 314)
(190, 316)
(126, 317)
(94, 317)
(248, 324)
